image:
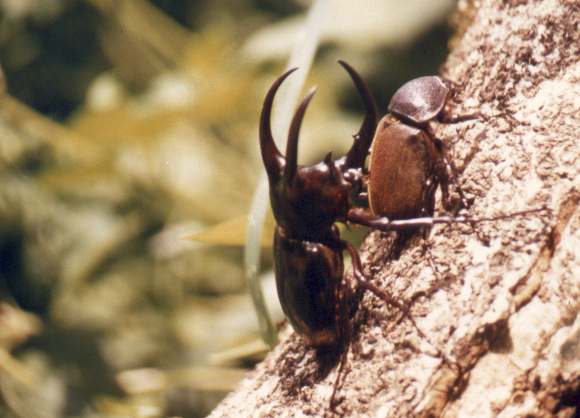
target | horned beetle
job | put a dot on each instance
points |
(307, 201)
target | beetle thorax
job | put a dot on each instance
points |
(419, 100)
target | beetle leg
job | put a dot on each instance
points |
(446, 172)
(442, 171)
(366, 218)
(443, 168)
(343, 301)
(385, 296)
(438, 176)
(363, 282)
(360, 196)
(445, 117)
(362, 200)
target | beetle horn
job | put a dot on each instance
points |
(293, 134)
(355, 157)
(273, 160)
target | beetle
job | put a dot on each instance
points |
(408, 162)
(308, 201)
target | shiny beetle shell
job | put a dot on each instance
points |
(309, 289)
(419, 100)
(401, 165)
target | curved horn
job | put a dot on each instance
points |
(293, 134)
(355, 157)
(273, 160)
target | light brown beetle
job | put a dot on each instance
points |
(407, 161)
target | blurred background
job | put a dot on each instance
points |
(127, 126)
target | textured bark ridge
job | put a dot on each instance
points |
(501, 304)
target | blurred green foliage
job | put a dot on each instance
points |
(126, 126)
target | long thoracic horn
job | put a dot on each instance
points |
(357, 154)
(273, 160)
(293, 134)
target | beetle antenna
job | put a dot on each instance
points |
(293, 135)
(357, 154)
(273, 159)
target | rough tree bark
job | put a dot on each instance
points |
(504, 311)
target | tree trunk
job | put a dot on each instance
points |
(498, 305)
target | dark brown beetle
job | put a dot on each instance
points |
(306, 202)
(407, 161)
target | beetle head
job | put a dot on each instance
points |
(307, 200)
